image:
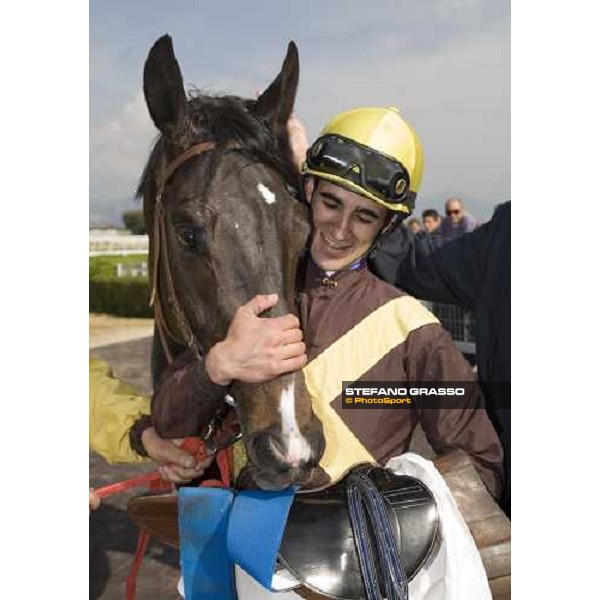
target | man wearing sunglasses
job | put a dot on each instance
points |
(457, 222)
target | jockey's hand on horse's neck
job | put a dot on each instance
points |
(257, 349)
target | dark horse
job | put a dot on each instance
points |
(224, 227)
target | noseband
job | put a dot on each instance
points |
(161, 252)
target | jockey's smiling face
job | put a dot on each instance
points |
(345, 225)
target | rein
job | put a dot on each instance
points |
(161, 253)
(366, 505)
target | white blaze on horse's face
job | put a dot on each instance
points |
(266, 193)
(297, 449)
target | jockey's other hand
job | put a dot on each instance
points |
(174, 464)
(298, 141)
(257, 349)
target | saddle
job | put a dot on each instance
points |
(318, 546)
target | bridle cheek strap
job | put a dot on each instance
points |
(160, 253)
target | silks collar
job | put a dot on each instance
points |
(360, 263)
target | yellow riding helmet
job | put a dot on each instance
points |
(371, 151)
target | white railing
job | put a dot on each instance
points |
(132, 269)
(117, 243)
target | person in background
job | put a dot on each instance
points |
(414, 225)
(430, 235)
(456, 222)
(473, 272)
(431, 220)
(121, 431)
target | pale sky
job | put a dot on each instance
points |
(444, 63)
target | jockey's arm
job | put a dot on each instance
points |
(191, 390)
(463, 422)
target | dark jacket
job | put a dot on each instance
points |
(472, 271)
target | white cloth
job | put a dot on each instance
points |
(454, 571)
(249, 589)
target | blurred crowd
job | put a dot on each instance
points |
(441, 230)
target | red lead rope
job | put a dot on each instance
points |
(121, 486)
(194, 446)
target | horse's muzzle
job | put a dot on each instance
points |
(275, 467)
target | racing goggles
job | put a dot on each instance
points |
(382, 176)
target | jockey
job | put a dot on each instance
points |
(361, 177)
(473, 272)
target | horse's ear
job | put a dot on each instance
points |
(163, 86)
(276, 103)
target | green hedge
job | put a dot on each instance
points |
(105, 267)
(122, 296)
(125, 297)
(135, 221)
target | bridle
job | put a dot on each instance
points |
(161, 253)
(211, 441)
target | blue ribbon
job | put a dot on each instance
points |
(203, 518)
(218, 528)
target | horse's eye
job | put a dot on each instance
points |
(188, 237)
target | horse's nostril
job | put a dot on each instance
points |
(278, 463)
(292, 455)
(296, 457)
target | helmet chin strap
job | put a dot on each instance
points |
(394, 222)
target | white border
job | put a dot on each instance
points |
(44, 298)
(555, 157)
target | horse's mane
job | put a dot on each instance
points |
(225, 120)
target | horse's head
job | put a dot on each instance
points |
(223, 228)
